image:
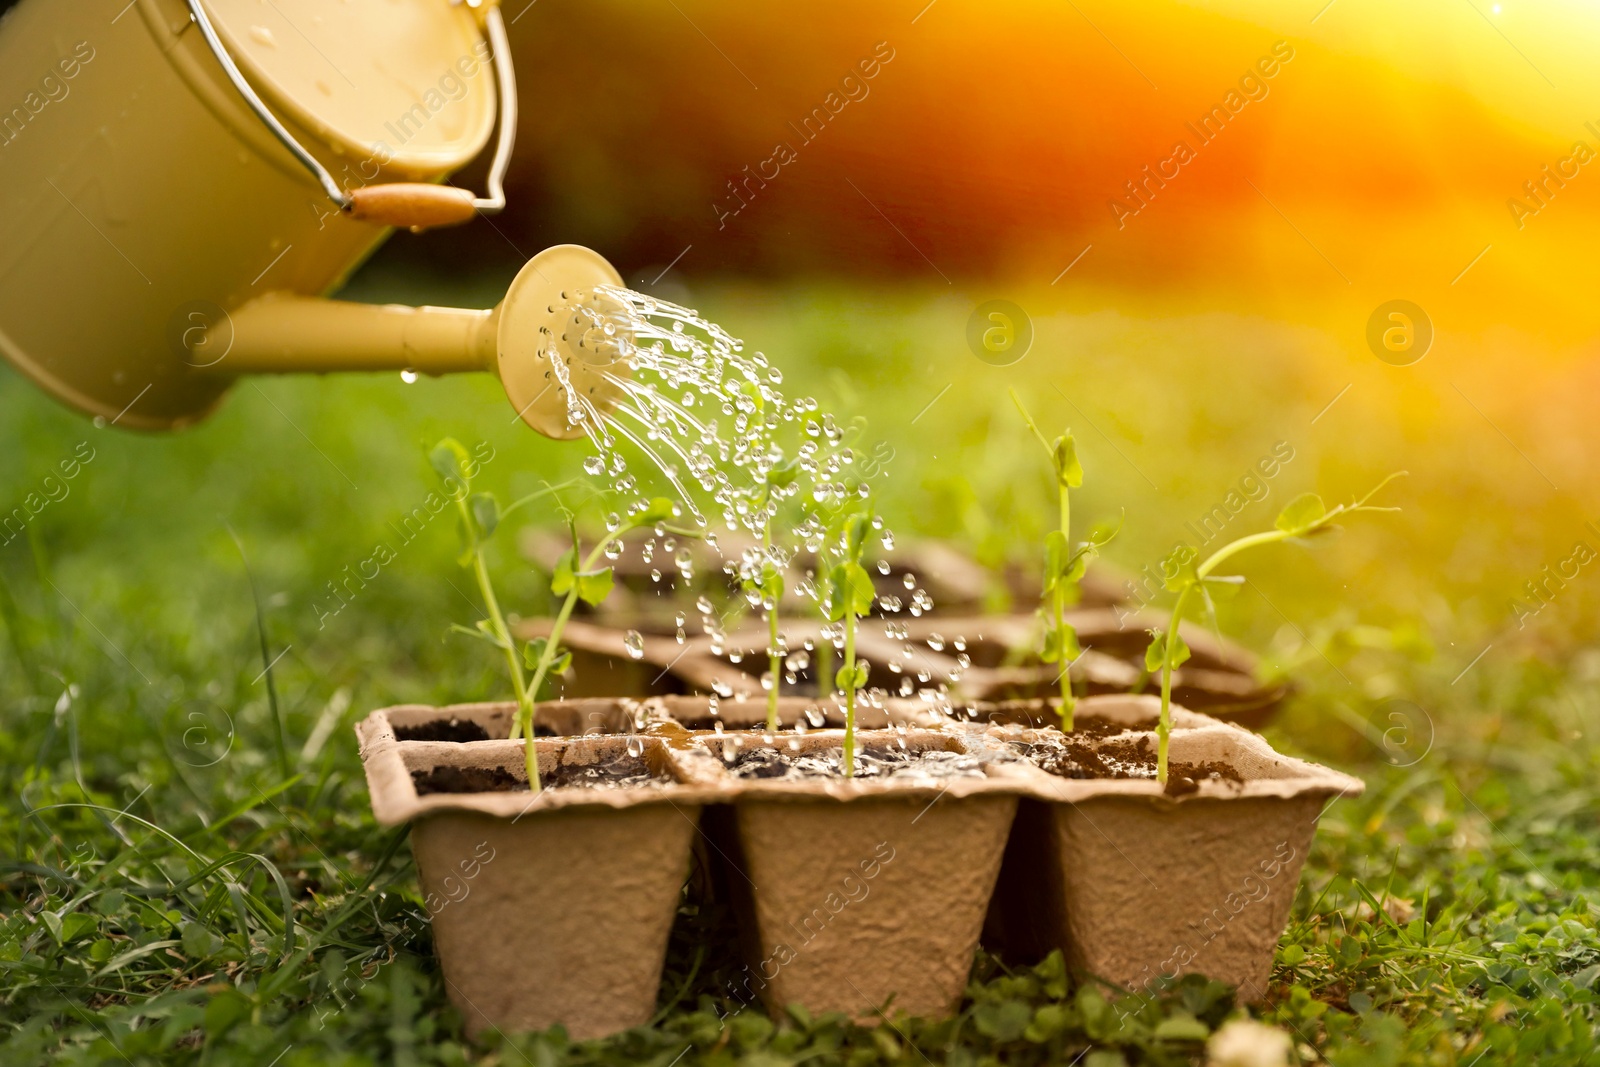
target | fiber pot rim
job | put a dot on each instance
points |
(844, 790)
(1123, 708)
(907, 711)
(395, 799)
(1288, 777)
(379, 725)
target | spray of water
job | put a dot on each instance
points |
(711, 420)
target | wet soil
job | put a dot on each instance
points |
(1037, 714)
(876, 762)
(1095, 726)
(612, 772)
(451, 729)
(1112, 756)
(459, 730)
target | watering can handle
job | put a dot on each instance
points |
(414, 205)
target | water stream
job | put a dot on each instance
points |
(690, 406)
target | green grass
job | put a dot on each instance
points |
(189, 872)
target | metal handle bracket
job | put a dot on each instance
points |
(396, 203)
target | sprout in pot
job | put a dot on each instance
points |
(480, 515)
(848, 594)
(1303, 517)
(761, 574)
(1064, 565)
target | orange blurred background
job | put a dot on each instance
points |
(1378, 161)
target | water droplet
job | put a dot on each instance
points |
(595, 465)
(635, 746)
(408, 376)
(633, 641)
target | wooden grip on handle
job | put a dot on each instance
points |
(413, 205)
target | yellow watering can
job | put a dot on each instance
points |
(180, 180)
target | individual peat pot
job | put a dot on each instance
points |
(548, 908)
(1137, 884)
(864, 896)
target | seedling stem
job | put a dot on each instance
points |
(1303, 517)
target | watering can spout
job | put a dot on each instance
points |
(282, 333)
(539, 340)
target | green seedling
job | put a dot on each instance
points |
(847, 595)
(766, 586)
(480, 515)
(1064, 565)
(1304, 517)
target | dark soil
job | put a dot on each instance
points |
(466, 780)
(1095, 726)
(1039, 713)
(451, 729)
(612, 772)
(876, 762)
(1109, 756)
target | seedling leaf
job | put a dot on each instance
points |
(1222, 586)
(1056, 559)
(784, 476)
(1069, 472)
(855, 535)
(1061, 646)
(1301, 514)
(660, 509)
(771, 583)
(485, 513)
(1178, 569)
(450, 461)
(852, 678)
(594, 586)
(1154, 655)
(849, 590)
(533, 652)
(561, 579)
